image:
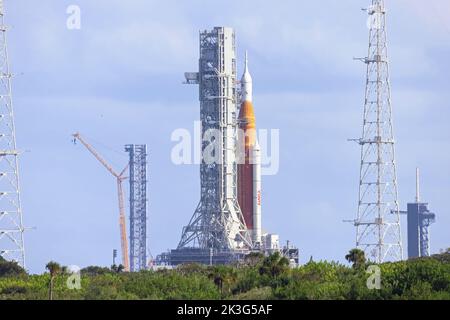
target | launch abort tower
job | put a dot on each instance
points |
(217, 227)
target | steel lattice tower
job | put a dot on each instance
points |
(217, 223)
(138, 206)
(378, 220)
(11, 220)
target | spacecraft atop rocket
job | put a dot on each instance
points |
(249, 167)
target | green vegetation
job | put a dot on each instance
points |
(258, 277)
(8, 269)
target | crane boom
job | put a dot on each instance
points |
(96, 155)
(123, 226)
(120, 178)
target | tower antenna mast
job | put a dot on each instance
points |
(417, 185)
(378, 218)
(11, 219)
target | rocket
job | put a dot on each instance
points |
(249, 167)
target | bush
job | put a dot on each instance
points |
(10, 268)
(13, 290)
(268, 278)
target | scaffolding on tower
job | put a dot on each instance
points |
(138, 206)
(216, 232)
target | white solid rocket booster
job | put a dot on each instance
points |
(256, 153)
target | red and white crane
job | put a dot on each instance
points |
(119, 178)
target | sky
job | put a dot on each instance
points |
(118, 80)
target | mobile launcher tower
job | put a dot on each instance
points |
(218, 232)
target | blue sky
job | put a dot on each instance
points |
(118, 81)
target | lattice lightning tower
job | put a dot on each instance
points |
(11, 220)
(378, 219)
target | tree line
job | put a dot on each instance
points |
(258, 277)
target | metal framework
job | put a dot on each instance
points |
(11, 219)
(138, 206)
(426, 218)
(378, 219)
(217, 223)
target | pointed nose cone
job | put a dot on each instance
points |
(246, 77)
(246, 112)
(247, 82)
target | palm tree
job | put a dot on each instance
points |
(54, 268)
(357, 257)
(274, 265)
(120, 268)
(217, 277)
(117, 268)
(223, 277)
